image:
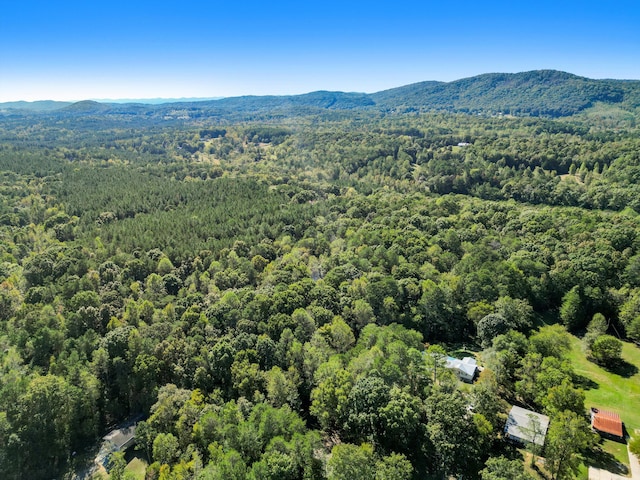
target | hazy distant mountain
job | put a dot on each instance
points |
(155, 101)
(38, 106)
(320, 99)
(546, 93)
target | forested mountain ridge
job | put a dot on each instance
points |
(546, 93)
(233, 106)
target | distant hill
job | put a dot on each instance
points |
(289, 105)
(38, 106)
(320, 99)
(537, 93)
(547, 93)
(155, 101)
(86, 106)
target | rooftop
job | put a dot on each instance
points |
(606, 422)
(467, 364)
(520, 425)
(121, 437)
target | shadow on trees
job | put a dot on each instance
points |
(508, 450)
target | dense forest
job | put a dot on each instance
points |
(275, 294)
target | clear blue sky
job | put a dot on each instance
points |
(72, 50)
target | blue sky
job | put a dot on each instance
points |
(73, 50)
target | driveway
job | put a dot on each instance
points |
(599, 474)
(634, 464)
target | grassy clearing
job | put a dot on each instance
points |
(617, 449)
(618, 392)
(137, 467)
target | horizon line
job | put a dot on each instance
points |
(172, 99)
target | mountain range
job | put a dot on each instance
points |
(545, 93)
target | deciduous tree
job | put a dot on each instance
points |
(568, 436)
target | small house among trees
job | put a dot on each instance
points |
(118, 440)
(465, 369)
(524, 426)
(607, 423)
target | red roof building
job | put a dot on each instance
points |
(603, 421)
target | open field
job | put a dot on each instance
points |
(616, 391)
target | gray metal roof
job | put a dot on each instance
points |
(520, 427)
(467, 365)
(121, 437)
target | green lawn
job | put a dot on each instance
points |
(137, 467)
(617, 449)
(618, 392)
